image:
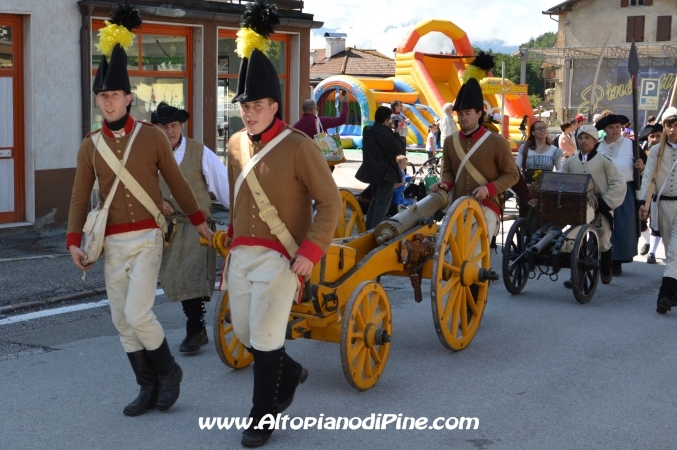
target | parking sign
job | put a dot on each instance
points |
(648, 94)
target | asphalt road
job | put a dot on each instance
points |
(543, 372)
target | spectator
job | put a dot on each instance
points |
(402, 124)
(398, 194)
(447, 124)
(566, 140)
(380, 146)
(431, 141)
(523, 127)
(308, 123)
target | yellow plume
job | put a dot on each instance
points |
(473, 72)
(248, 40)
(111, 35)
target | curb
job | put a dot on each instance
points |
(53, 300)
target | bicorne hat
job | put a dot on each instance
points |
(257, 78)
(610, 120)
(114, 38)
(165, 114)
(650, 129)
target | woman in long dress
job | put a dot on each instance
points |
(626, 221)
(536, 155)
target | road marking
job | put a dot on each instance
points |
(62, 310)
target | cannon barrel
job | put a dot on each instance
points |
(411, 217)
(546, 241)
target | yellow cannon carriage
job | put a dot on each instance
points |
(344, 303)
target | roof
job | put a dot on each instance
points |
(354, 62)
(562, 7)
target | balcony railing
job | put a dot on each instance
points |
(296, 5)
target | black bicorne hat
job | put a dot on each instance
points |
(112, 74)
(610, 120)
(469, 96)
(165, 114)
(649, 129)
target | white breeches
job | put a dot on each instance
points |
(261, 291)
(667, 225)
(132, 264)
(603, 228)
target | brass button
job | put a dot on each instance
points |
(117, 141)
(125, 187)
(130, 205)
(132, 213)
(119, 151)
(253, 216)
(127, 195)
(253, 206)
(252, 234)
(133, 220)
(253, 226)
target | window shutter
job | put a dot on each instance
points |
(624, 3)
(639, 29)
(663, 28)
(630, 29)
(648, 2)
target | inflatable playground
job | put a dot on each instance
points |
(423, 82)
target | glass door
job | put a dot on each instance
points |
(11, 126)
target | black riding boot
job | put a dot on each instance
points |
(293, 374)
(605, 267)
(667, 295)
(170, 374)
(267, 377)
(147, 378)
(196, 331)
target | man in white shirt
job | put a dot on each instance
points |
(665, 192)
(447, 124)
(188, 270)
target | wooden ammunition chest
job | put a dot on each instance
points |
(566, 198)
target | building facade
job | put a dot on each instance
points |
(583, 28)
(182, 55)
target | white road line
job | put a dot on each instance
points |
(62, 310)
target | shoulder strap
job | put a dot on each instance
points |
(465, 159)
(134, 187)
(114, 188)
(250, 163)
(318, 125)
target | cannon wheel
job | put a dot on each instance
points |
(365, 335)
(585, 264)
(515, 244)
(228, 346)
(351, 216)
(457, 313)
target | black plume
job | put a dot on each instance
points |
(261, 17)
(484, 61)
(126, 16)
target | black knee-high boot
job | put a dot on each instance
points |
(667, 295)
(170, 374)
(605, 266)
(148, 379)
(267, 377)
(196, 331)
(293, 374)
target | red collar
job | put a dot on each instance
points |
(276, 129)
(475, 136)
(128, 127)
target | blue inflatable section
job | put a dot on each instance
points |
(420, 140)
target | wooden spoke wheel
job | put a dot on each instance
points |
(228, 346)
(365, 335)
(352, 219)
(516, 272)
(585, 264)
(458, 292)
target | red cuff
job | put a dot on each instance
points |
(73, 239)
(197, 218)
(310, 250)
(491, 189)
(447, 185)
(230, 231)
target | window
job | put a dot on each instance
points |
(626, 3)
(635, 29)
(158, 64)
(228, 119)
(663, 28)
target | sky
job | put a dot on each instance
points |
(500, 25)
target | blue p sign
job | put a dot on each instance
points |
(649, 88)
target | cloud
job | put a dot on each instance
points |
(383, 25)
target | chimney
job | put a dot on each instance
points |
(336, 43)
(312, 57)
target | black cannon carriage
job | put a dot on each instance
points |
(565, 240)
